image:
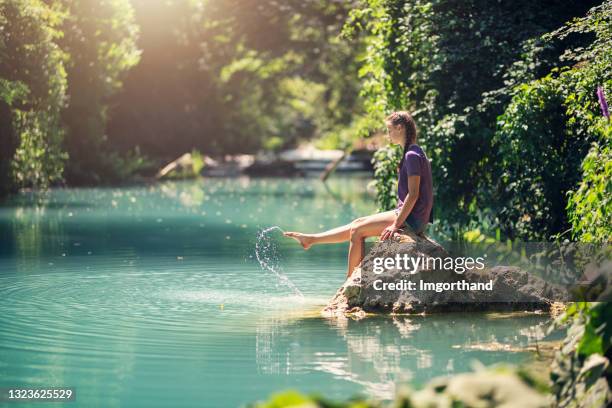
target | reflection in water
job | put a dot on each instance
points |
(379, 352)
(31, 229)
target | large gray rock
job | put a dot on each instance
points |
(513, 288)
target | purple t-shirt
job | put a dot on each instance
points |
(416, 163)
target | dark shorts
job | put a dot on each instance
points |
(411, 222)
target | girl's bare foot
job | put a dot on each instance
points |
(304, 239)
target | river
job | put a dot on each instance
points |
(153, 296)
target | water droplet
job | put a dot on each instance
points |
(267, 255)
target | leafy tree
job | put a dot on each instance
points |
(32, 94)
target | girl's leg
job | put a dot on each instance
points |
(371, 226)
(356, 232)
(332, 236)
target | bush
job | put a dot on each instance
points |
(545, 132)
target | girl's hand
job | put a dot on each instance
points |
(388, 232)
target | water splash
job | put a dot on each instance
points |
(266, 252)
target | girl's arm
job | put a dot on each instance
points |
(411, 199)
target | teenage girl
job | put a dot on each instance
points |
(414, 193)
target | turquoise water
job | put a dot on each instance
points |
(152, 296)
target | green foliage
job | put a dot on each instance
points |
(13, 91)
(38, 160)
(273, 144)
(197, 162)
(296, 399)
(447, 61)
(288, 398)
(32, 94)
(457, 65)
(372, 20)
(543, 137)
(215, 75)
(590, 205)
(61, 61)
(130, 164)
(313, 92)
(581, 371)
(539, 160)
(386, 160)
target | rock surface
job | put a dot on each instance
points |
(513, 289)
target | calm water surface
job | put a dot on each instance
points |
(152, 296)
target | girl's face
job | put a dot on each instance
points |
(395, 133)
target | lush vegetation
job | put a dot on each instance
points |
(60, 62)
(590, 205)
(505, 112)
(545, 133)
(236, 76)
(504, 95)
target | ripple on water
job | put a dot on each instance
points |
(160, 314)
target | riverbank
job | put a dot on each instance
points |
(303, 161)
